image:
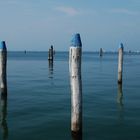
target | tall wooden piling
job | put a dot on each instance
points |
(120, 63)
(3, 65)
(75, 53)
(50, 54)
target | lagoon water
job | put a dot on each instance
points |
(38, 105)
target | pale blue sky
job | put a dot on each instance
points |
(36, 24)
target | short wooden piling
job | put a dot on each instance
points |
(50, 54)
(120, 63)
(101, 52)
(75, 53)
(3, 65)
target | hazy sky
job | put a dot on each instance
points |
(36, 24)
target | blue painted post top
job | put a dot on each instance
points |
(76, 40)
(121, 46)
(2, 45)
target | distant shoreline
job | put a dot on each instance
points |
(106, 52)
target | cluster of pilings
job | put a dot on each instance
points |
(75, 54)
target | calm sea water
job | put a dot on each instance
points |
(38, 106)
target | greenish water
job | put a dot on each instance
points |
(38, 105)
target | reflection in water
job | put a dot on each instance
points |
(3, 115)
(76, 136)
(101, 65)
(120, 95)
(120, 103)
(50, 69)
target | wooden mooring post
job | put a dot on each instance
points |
(101, 52)
(3, 66)
(120, 63)
(50, 54)
(75, 53)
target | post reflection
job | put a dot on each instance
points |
(50, 66)
(3, 115)
(76, 136)
(120, 95)
(120, 103)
